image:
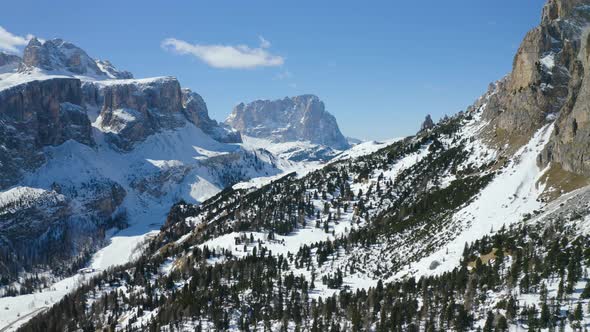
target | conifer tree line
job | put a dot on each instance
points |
(260, 291)
(215, 289)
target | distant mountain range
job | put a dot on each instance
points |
(89, 151)
(273, 221)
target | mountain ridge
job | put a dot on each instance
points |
(90, 152)
(464, 226)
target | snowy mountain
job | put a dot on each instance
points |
(8, 62)
(298, 128)
(480, 222)
(93, 158)
(369, 221)
(59, 56)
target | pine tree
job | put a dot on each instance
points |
(502, 324)
(489, 324)
(586, 293)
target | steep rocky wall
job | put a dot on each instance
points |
(132, 110)
(537, 87)
(549, 82)
(570, 144)
(300, 118)
(195, 110)
(38, 114)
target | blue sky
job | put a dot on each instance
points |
(379, 66)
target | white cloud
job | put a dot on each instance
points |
(263, 42)
(10, 42)
(227, 56)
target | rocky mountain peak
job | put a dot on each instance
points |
(299, 118)
(57, 55)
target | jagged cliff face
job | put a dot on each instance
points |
(301, 118)
(549, 82)
(539, 83)
(132, 110)
(195, 110)
(570, 144)
(35, 115)
(84, 148)
(58, 55)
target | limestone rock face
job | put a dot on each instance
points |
(526, 62)
(195, 110)
(555, 9)
(38, 114)
(549, 82)
(132, 110)
(57, 55)
(301, 118)
(569, 145)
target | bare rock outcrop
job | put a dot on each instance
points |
(427, 123)
(549, 82)
(132, 110)
(38, 114)
(195, 110)
(300, 118)
(57, 55)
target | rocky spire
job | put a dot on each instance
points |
(427, 124)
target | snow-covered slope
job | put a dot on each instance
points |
(295, 150)
(183, 164)
(450, 229)
(92, 186)
(86, 153)
(191, 174)
(513, 194)
(404, 210)
(380, 215)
